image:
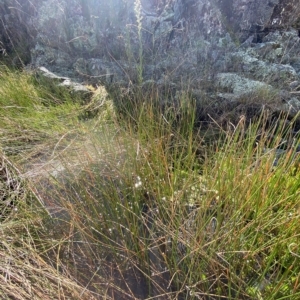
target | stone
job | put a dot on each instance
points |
(74, 87)
(46, 73)
(175, 42)
(239, 85)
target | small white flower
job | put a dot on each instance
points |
(138, 184)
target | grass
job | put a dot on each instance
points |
(30, 113)
(25, 271)
(148, 209)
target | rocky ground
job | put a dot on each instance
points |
(223, 52)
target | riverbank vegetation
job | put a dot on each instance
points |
(143, 204)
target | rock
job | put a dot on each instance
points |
(74, 86)
(295, 85)
(278, 75)
(176, 42)
(16, 34)
(109, 72)
(66, 82)
(46, 73)
(238, 85)
(293, 106)
(55, 60)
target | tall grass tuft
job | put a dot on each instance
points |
(183, 219)
(148, 209)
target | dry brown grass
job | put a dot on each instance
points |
(24, 271)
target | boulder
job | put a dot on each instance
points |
(180, 43)
(238, 85)
(72, 86)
